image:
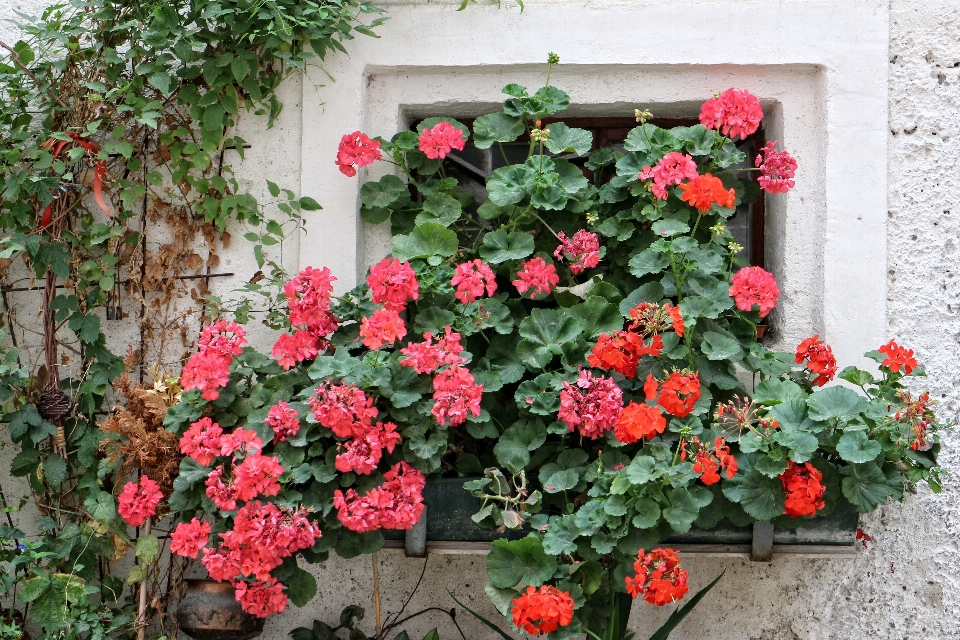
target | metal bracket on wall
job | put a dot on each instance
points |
(415, 539)
(761, 548)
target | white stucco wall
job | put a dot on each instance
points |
(877, 259)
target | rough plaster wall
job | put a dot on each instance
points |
(907, 585)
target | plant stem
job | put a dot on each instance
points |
(142, 607)
(376, 589)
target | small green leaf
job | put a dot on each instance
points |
(864, 486)
(440, 208)
(508, 185)
(647, 513)
(670, 227)
(564, 139)
(389, 190)
(500, 246)
(717, 346)
(309, 204)
(148, 548)
(761, 496)
(648, 261)
(561, 535)
(496, 127)
(682, 511)
(429, 239)
(856, 447)
(55, 469)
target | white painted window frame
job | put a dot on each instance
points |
(819, 67)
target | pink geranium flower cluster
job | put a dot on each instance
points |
(356, 150)
(440, 140)
(392, 283)
(188, 538)
(308, 299)
(537, 277)
(361, 454)
(261, 537)
(734, 113)
(753, 286)
(582, 251)
(777, 169)
(344, 409)
(385, 326)
(284, 420)
(426, 357)
(471, 279)
(396, 504)
(139, 501)
(673, 168)
(592, 405)
(456, 396)
(209, 368)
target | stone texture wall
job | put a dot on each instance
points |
(907, 584)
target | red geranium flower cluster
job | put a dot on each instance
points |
(293, 348)
(356, 150)
(139, 501)
(582, 251)
(592, 405)
(734, 113)
(189, 538)
(542, 611)
(660, 579)
(393, 283)
(441, 140)
(704, 191)
(455, 395)
(819, 359)
(650, 319)
(678, 393)
(471, 279)
(426, 357)
(708, 462)
(754, 286)
(344, 409)
(262, 536)
(673, 168)
(254, 476)
(638, 421)
(537, 277)
(777, 169)
(209, 368)
(284, 420)
(396, 504)
(308, 298)
(362, 453)
(803, 484)
(897, 356)
(202, 441)
(621, 352)
(385, 326)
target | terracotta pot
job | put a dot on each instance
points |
(210, 611)
(761, 329)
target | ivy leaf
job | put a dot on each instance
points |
(515, 444)
(564, 139)
(864, 486)
(440, 208)
(387, 191)
(561, 535)
(596, 316)
(428, 239)
(717, 346)
(148, 548)
(856, 447)
(100, 506)
(760, 496)
(649, 261)
(835, 402)
(496, 127)
(511, 562)
(500, 246)
(543, 331)
(647, 513)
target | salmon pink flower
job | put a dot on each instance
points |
(261, 598)
(139, 501)
(582, 251)
(437, 142)
(356, 150)
(426, 357)
(385, 326)
(344, 409)
(207, 371)
(537, 277)
(292, 349)
(753, 286)
(673, 168)
(592, 405)
(471, 279)
(189, 538)
(777, 169)
(284, 420)
(202, 441)
(308, 298)
(734, 113)
(257, 475)
(455, 396)
(393, 283)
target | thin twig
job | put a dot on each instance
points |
(16, 58)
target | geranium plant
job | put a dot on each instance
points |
(584, 341)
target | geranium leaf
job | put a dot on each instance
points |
(648, 261)
(515, 444)
(682, 511)
(389, 190)
(760, 496)
(639, 138)
(596, 316)
(561, 535)
(564, 139)
(428, 239)
(717, 346)
(770, 466)
(433, 320)
(439, 208)
(511, 562)
(301, 587)
(543, 331)
(835, 402)
(856, 447)
(496, 127)
(571, 176)
(500, 246)
(669, 227)
(649, 292)
(647, 513)
(865, 486)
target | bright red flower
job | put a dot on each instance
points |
(897, 356)
(638, 421)
(392, 283)
(803, 484)
(582, 251)
(291, 349)
(455, 396)
(139, 501)
(344, 409)
(679, 393)
(471, 279)
(385, 326)
(426, 357)
(918, 416)
(819, 359)
(776, 169)
(356, 150)
(261, 598)
(754, 286)
(622, 351)
(676, 318)
(440, 140)
(308, 298)
(734, 113)
(704, 191)
(257, 475)
(207, 371)
(537, 277)
(284, 420)
(541, 611)
(673, 168)
(650, 386)
(660, 579)
(202, 441)
(592, 405)
(189, 538)
(362, 454)
(709, 462)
